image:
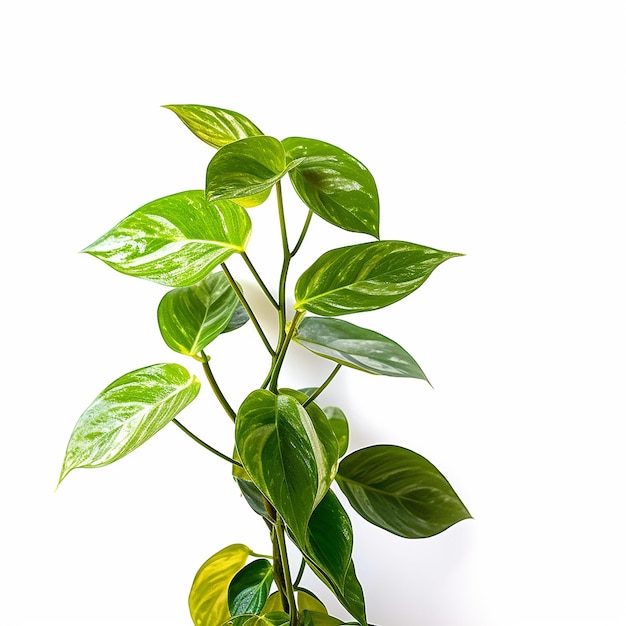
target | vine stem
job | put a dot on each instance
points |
(323, 386)
(288, 586)
(305, 228)
(259, 280)
(280, 357)
(216, 388)
(249, 311)
(204, 444)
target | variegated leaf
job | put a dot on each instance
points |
(127, 413)
(213, 125)
(176, 240)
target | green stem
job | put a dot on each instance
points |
(280, 357)
(204, 444)
(323, 386)
(305, 228)
(296, 582)
(216, 389)
(282, 283)
(284, 560)
(259, 280)
(248, 309)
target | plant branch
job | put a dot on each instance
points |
(248, 309)
(216, 389)
(280, 357)
(259, 280)
(288, 586)
(305, 228)
(282, 283)
(323, 386)
(204, 444)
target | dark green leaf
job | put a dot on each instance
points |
(238, 319)
(127, 413)
(365, 277)
(246, 170)
(191, 317)
(282, 452)
(250, 587)
(400, 491)
(334, 185)
(214, 126)
(339, 423)
(356, 347)
(176, 240)
(208, 598)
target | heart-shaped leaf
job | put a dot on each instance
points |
(127, 413)
(208, 598)
(246, 170)
(250, 587)
(400, 491)
(356, 347)
(190, 318)
(365, 277)
(280, 449)
(176, 240)
(214, 126)
(334, 185)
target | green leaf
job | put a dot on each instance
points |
(176, 240)
(280, 449)
(250, 588)
(190, 318)
(246, 170)
(208, 598)
(334, 185)
(308, 602)
(276, 618)
(400, 491)
(127, 413)
(339, 423)
(314, 618)
(356, 347)
(365, 277)
(238, 319)
(214, 126)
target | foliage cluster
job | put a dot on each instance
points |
(288, 451)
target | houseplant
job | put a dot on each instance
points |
(289, 453)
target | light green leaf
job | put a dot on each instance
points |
(127, 413)
(339, 423)
(208, 598)
(190, 318)
(334, 185)
(276, 618)
(400, 491)
(214, 126)
(308, 602)
(365, 277)
(176, 240)
(315, 618)
(246, 170)
(280, 449)
(356, 347)
(250, 587)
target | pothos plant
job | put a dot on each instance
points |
(289, 453)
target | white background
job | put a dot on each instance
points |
(495, 129)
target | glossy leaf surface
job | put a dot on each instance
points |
(245, 171)
(213, 125)
(280, 449)
(339, 423)
(400, 491)
(127, 413)
(176, 240)
(365, 277)
(250, 587)
(334, 185)
(356, 347)
(208, 598)
(191, 317)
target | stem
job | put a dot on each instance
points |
(282, 283)
(204, 444)
(305, 228)
(282, 549)
(259, 280)
(280, 357)
(216, 389)
(248, 309)
(323, 386)
(296, 582)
